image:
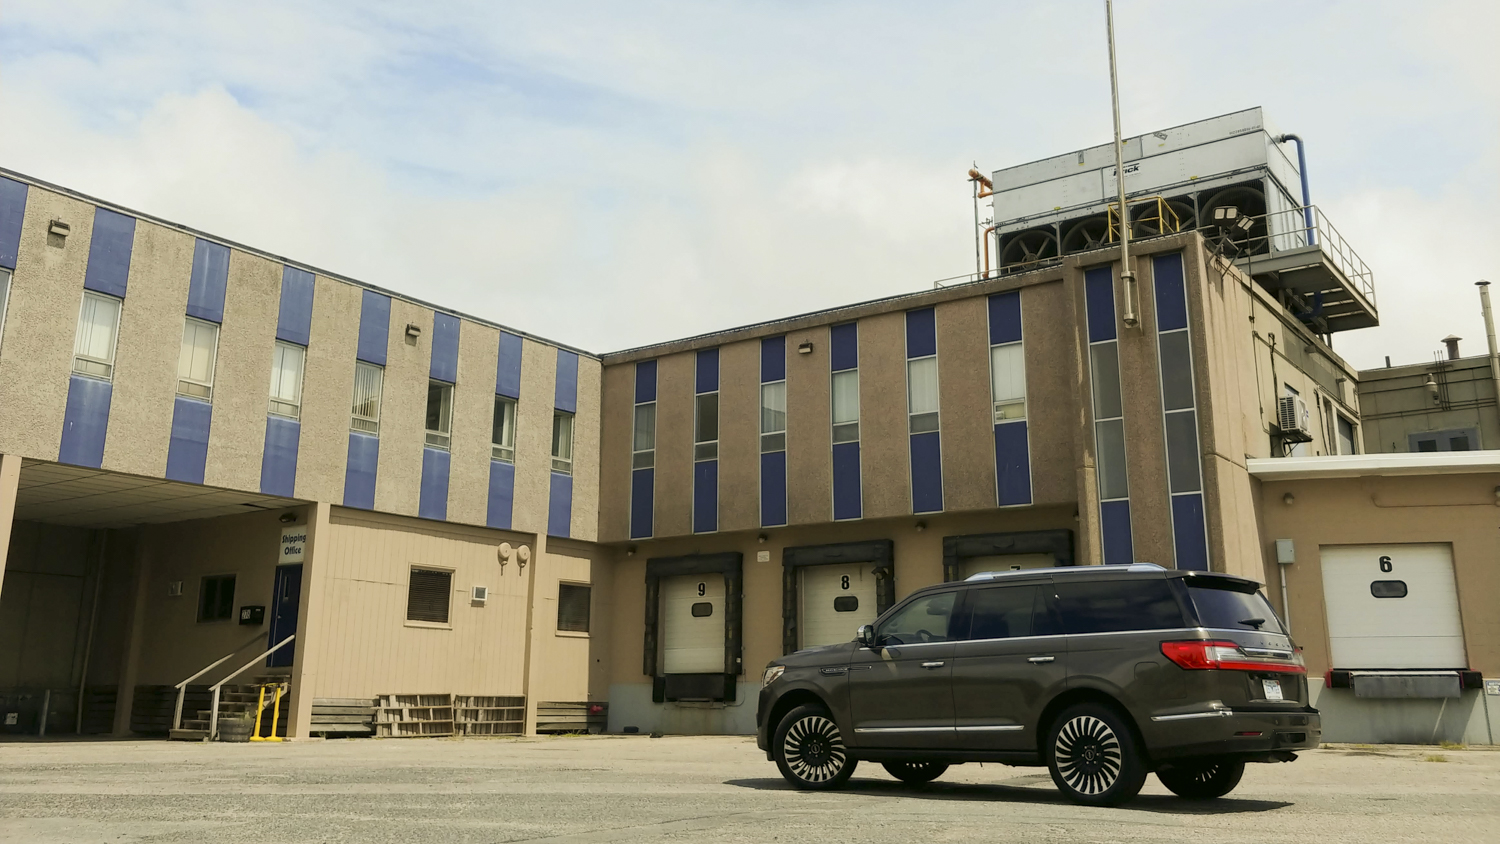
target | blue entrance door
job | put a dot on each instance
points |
(284, 600)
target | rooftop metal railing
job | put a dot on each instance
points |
(1284, 231)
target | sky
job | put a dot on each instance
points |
(610, 175)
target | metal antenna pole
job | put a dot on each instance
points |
(1127, 275)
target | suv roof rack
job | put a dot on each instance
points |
(997, 575)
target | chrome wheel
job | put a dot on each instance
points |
(813, 749)
(1088, 755)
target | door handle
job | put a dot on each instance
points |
(1041, 659)
(932, 664)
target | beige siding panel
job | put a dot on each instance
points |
(403, 411)
(585, 524)
(1054, 391)
(36, 351)
(534, 436)
(328, 391)
(376, 651)
(242, 383)
(151, 322)
(739, 436)
(567, 658)
(968, 438)
(885, 460)
(617, 410)
(809, 438)
(473, 423)
(674, 444)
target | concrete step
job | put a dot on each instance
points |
(186, 734)
(195, 724)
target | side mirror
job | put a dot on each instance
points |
(866, 635)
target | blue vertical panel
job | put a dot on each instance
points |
(359, 471)
(85, 422)
(843, 341)
(508, 370)
(278, 462)
(1012, 464)
(707, 371)
(847, 501)
(645, 381)
(706, 496)
(926, 473)
(1171, 293)
(294, 321)
(12, 214)
(1188, 530)
(1114, 518)
(921, 333)
(772, 360)
(502, 494)
(187, 453)
(560, 506)
(109, 253)
(1099, 297)
(566, 397)
(773, 489)
(210, 277)
(433, 503)
(374, 328)
(642, 495)
(1005, 317)
(445, 328)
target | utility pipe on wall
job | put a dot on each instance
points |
(1489, 332)
(1130, 318)
(1307, 215)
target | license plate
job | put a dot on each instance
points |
(1273, 689)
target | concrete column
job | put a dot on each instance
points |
(311, 620)
(135, 626)
(533, 661)
(10, 480)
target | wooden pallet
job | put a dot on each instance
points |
(571, 717)
(487, 715)
(343, 717)
(406, 716)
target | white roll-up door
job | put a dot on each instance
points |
(1007, 562)
(1392, 606)
(692, 624)
(835, 600)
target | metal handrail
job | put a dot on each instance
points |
(213, 712)
(1292, 232)
(182, 687)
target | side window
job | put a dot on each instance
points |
(503, 432)
(216, 598)
(365, 413)
(1001, 612)
(428, 595)
(286, 379)
(94, 344)
(923, 620)
(1114, 605)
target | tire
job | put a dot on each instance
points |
(1203, 780)
(1093, 756)
(915, 773)
(810, 751)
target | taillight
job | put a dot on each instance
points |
(1199, 654)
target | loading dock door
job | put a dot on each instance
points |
(1392, 607)
(692, 624)
(1007, 562)
(836, 600)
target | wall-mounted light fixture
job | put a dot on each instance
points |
(1289, 499)
(413, 330)
(630, 550)
(287, 518)
(761, 539)
(59, 228)
(921, 526)
(805, 349)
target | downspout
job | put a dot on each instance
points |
(1130, 317)
(1489, 331)
(1307, 215)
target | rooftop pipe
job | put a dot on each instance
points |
(1307, 217)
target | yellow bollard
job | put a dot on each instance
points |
(275, 714)
(260, 705)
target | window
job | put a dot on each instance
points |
(922, 394)
(773, 417)
(706, 427)
(562, 442)
(1109, 424)
(923, 620)
(1346, 436)
(1003, 612)
(1108, 606)
(1231, 609)
(428, 595)
(195, 362)
(365, 415)
(216, 598)
(503, 437)
(4, 299)
(846, 406)
(439, 414)
(573, 608)
(94, 345)
(1462, 439)
(287, 361)
(643, 441)
(1008, 381)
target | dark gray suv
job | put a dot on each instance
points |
(1101, 673)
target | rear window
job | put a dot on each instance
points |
(1110, 606)
(1227, 609)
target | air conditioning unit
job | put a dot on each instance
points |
(479, 594)
(1293, 420)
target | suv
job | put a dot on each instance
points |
(1101, 673)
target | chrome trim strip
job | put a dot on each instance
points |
(903, 729)
(997, 728)
(1217, 713)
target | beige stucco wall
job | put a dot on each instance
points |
(968, 430)
(586, 421)
(473, 423)
(403, 411)
(1145, 441)
(328, 391)
(242, 382)
(617, 412)
(809, 435)
(674, 444)
(739, 436)
(1054, 390)
(884, 446)
(534, 437)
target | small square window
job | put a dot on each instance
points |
(216, 598)
(573, 607)
(428, 595)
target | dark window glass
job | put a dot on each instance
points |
(428, 595)
(923, 620)
(1427, 445)
(1106, 377)
(1388, 589)
(1229, 609)
(1111, 605)
(846, 603)
(216, 598)
(1458, 444)
(1176, 371)
(573, 607)
(1182, 451)
(1001, 612)
(703, 609)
